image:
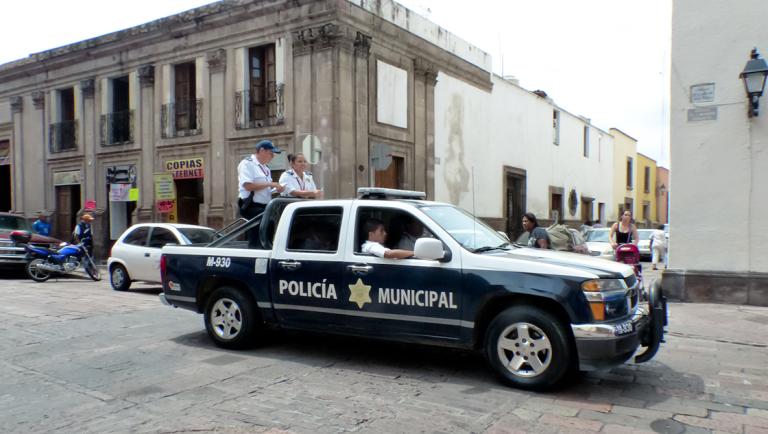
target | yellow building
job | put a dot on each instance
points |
(645, 191)
(624, 164)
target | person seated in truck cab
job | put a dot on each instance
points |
(414, 230)
(377, 236)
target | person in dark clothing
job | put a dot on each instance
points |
(537, 236)
(623, 231)
(83, 233)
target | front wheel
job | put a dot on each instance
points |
(231, 318)
(35, 272)
(92, 269)
(118, 277)
(529, 348)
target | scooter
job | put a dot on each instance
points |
(43, 262)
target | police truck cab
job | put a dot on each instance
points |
(535, 314)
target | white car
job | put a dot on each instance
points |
(136, 254)
(598, 243)
(644, 243)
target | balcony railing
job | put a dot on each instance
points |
(63, 136)
(117, 128)
(260, 107)
(182, 118)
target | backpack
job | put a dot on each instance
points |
(560, 238)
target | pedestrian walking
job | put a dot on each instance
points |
(537, 236)
(255, 184)
(623, 231)
(658, 247)
(297, 181)
(41, 225)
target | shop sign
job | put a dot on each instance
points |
(164, 187)
(165, 206)
(90, 205)
(71, 177)
(122, 175)
(188, 168)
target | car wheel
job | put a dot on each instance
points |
(529, 348)
(35, 272)
(118, 278)
(231, 318)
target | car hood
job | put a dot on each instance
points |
(36, 238)
(555, 262)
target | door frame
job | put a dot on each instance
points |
(521, 174)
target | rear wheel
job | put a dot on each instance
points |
(118, 278)
(231, 318)
(529, 348)
(35, 272)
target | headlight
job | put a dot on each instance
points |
(605, 295)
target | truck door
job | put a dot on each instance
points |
(306, 269)
(409, 298)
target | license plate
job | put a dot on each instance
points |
(625, 328)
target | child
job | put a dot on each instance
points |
(376, 236)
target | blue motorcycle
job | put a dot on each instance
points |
(43, 262)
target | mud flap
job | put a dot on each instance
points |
(653, 335)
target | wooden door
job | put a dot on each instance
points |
(392, 176)
(185, 96)
(63, 213)
(515, 204)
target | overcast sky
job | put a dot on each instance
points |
(604, 59)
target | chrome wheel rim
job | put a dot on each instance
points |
(226, 319)
(524, 349)
(118, 277)
(37, 272)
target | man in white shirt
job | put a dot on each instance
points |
(377, 235)
(658, 246)
(255, 184)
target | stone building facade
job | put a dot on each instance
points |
(110, 123)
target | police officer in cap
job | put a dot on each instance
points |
(255, 184)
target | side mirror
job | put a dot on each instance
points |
(504, 235)
(429, 248)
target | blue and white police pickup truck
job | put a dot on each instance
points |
(535, 314)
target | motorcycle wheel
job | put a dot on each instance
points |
(92, 269)
(35, 273)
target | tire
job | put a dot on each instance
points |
(545, 340)
(231, 318)
(92, 269)
(118, 278)
(36, 274)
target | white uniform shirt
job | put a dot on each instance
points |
(374, 248)
(250, 170)
(291, 181)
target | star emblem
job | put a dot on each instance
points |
(359, 293)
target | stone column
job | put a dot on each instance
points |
(425, 79)
(362, 159)
(41, 130)
(17, 176)
(216, 197)
(87, 127)
(146, 135)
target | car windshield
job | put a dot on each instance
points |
(470, 232)
(598, 236)
(10, 222)
(644, 234)
(197, 235)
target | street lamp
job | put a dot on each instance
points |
(754, 74)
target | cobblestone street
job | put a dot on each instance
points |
(78, 357)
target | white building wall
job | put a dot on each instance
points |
(479, 133)
(719, 180)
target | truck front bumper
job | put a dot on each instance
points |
(609, 344)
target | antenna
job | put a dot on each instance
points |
(474, 216)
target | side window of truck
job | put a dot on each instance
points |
(315, 229)
(402, 227)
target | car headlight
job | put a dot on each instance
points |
(606, 297)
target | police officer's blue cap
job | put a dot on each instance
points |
(268, 145)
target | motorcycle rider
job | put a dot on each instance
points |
(83, 233)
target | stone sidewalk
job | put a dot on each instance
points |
(76, 357)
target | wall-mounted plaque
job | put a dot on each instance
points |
(702, 114)
(701, 93)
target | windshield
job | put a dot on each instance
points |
(197, 235)
(470, 232)
(644, 235)
(13, 223)
(597, 236)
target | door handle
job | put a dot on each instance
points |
(359, 269)
(290, 265)
(146, 255)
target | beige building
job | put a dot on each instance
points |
(645, 192)
(624, 170)
(149, 123)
